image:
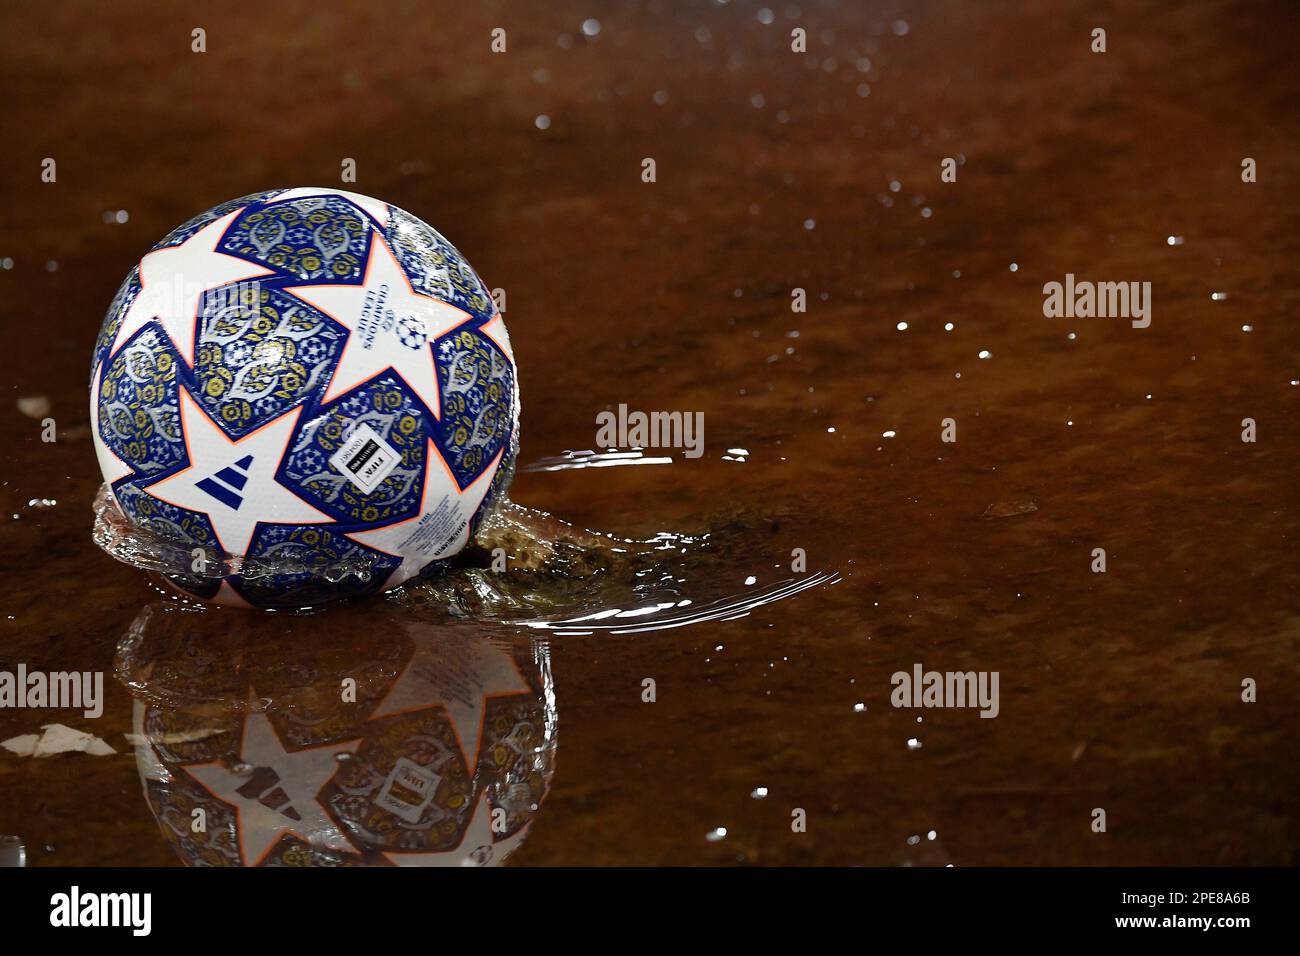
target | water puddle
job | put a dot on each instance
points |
(415, 729)
(526, 567)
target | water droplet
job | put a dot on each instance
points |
(542, 122)
(591, 27)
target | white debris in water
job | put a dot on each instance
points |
(716, 834)
(34, 406)
(759, 793)
(57, 739)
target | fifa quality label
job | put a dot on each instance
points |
(365, 458)
(408, 790)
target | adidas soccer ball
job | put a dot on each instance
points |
(310, 391)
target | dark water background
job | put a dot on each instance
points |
(1118, 690)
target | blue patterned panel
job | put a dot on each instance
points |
(261, 351)
(126, 294)
(139, 404)
(435, 267)
(477, 390)
(178, 524)
(189, 228)
(393, 412)
(311, 550)
(320, 238)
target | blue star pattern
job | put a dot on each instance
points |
(477, 385)
(260, 353)
(191, 226)
(388, 408)
(139, 417)
(323, 239)
(435, 267)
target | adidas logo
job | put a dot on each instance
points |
(226, 484)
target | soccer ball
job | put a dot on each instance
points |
(308, 390)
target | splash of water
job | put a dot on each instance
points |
(560, 578)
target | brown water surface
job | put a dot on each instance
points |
(775, 171)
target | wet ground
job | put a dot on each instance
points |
(775, 170)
